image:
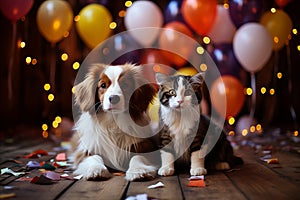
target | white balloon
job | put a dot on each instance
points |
(142, 20)
(252, 46)
(223, 29)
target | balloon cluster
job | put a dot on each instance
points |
(242, 34)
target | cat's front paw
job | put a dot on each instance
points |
(198, 171)
(166, 171)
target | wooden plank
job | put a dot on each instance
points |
(112, 188)
(171, 190)
(258, 181)
(218, 186)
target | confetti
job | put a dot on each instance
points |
(197, 177)
(42, 180)
(61, 157)
(157, 185)
(273, 161)
(138, 197)
(9, 171)
(33, 164)
(197, 183)
(52, 175)
(36, 154)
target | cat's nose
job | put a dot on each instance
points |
(179, 101)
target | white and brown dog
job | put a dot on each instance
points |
(113, 129)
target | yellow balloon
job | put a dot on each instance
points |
(93, 24)
(187, 71)
(54, 18)
(279, 25)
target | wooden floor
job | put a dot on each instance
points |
(255, 179)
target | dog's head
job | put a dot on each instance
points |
(115, 89)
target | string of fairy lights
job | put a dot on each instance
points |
(264, 90)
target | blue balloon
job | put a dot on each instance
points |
(173, 11)
(244, 11)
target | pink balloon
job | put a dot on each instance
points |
(15, 9)
(143, 20)
(252, 46)
(223, 29)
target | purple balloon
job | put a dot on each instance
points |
(243, 11)
(225, 60)
(172, 11)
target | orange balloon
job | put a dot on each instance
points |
(199, 14)
(154, 61)
(230, 88)
(171, 39)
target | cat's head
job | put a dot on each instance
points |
(179, 91)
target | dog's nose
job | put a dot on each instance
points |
(114, 99)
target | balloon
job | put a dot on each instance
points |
(226, 61)
(54, 18)
(15, 9)
(171, 39)
(140, 16)
(230, 88)
(243, 11)
(93, 25)
(279, 25)
(282, 3)
(199, 14)
(154, 61)
(252, 46)
(223, 29)
(172, 11)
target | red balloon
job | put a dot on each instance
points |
(229, 88)
(199, 14)
(15, 9)
(282, 3)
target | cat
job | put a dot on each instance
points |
(187, 133)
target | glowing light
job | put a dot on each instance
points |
(77, 18)
(66, 34)
(272, 91)
(294, 31)
(279, 75)
(298, 47)
(273, 10)
(64, 57)
(45, 127)
(22, 44)
(231, 133)
(258, 127)
(73, 90)
(231, 120)
(276, 39)
(122, 13)
(252, 129)
(76, 65)
(34, 61)
(156, 68)
(56, 25)
(28, 60)
(263, 90)
(113, 25)
(128, 4)
(248, 91)
(54, 124)
(244, 132)
(47, 86)
(200, 50)
(203, 67)
(206, 40)
(58, 119)
(50, 97)
(45, 134)
(226, 5)
(296, 133)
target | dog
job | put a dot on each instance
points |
(113, 127)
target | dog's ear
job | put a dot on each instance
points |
(86, 90)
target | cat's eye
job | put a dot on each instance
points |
(188, 93)
(172, 92)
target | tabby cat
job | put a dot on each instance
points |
(185, 132)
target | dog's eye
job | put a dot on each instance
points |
(103, 85)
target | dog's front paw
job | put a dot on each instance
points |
(198, 171)
(166, 171)
(93, 168)
(140, 168)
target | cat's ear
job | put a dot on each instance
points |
(198, 78)
(161, 78)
